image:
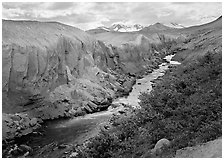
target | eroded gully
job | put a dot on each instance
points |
(77, 130)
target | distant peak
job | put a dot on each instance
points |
(121, 27)
(157, 26)
(126, 28)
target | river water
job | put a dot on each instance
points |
(78, 129)
(145, 84)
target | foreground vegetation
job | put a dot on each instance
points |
(185, 108)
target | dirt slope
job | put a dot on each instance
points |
(212, 149)
(200, 40)
(52, 70)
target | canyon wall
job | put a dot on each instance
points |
(51, 70)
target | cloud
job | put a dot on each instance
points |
(90, 15)
(60, 5)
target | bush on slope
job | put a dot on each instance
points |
(186, 107)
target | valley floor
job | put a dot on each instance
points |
(70, 132)
(184, 108)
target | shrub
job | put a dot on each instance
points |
(186, 107)
(191, 105)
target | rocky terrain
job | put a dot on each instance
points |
(52, 71)
(182, 117)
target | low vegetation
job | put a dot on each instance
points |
(185, 108)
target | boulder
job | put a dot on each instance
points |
(73, 155)
(88, 109)
(160, 146)
(13, 128)
(116, 105)
(25, 148)
(128, 84)
(62, 146)
(79, 112)
(121, 111)
(33, 122)
(92, 105)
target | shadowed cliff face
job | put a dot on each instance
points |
(39, 57)
(44, 47)
(51, 70)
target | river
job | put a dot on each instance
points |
(76, 130)
(145, 84)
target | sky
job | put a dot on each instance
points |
(89, 15)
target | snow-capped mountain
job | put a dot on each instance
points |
(121, 28)
(126, 28)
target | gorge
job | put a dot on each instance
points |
(52, 71)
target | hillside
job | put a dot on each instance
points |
(51, 70)
(131, 46)
(182, 116)
(200, 39)
(152, 32)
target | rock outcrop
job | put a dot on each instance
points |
(63, 64)
(51, 70)
(160, 145)
(17, 125)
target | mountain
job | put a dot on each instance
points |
(117, 27)
(104, 28)
(176, 25)
(52, 70)
(126, 28)
(98, 30)
(157, 27)
(197, 81)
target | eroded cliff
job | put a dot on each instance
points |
(52, 70)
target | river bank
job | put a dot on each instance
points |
(58, 135)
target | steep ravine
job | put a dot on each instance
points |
(53, 71)
(74, 131)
